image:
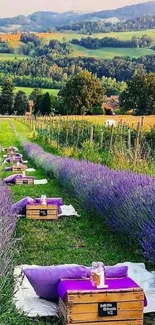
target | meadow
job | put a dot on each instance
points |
(103, 53)
(130, 120)
(12, 56)
(122, 35)
(29, 90)
(110, 52)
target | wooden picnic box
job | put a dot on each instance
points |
(117, 307)
(42, 211)
(27, 180)
(11, 151)
(20, 168)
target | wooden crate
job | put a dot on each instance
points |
(42, 211)
(20, 168)
(103, 307)
(11, 151)
(25, 180)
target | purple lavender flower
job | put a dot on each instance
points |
(125, 200)
(7, 227)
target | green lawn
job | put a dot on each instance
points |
(12, 56)
(110, 52)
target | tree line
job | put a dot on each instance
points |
(61, 69)
(96, 43)
(100, 26)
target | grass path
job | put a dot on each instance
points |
(68, 240)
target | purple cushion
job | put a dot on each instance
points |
(12, 178)
(20, 206)
(116, 271)
(45, 279)
(11, 159)
(56, 201)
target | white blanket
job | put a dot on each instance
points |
(67, 211)
(40, 181)
(28, 302)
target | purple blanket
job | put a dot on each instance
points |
(85, 285)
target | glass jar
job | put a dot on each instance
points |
(43, 199)
(93, 274)
(97, 277)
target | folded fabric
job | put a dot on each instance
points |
(45, 279)
(40, 181)
(68, 210)
(20, 206)
(116, 271)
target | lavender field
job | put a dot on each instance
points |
(116, 217)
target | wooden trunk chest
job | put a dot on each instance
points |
(105, 307)
(27, 180)
(20, 168)
(42, 211)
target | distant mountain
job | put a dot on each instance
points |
(41, 20)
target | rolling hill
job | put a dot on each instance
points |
(41, 20)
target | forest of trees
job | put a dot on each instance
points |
(44, 73)
(100, 26)
(51, 50)
(96, 43)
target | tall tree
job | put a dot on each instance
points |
(139, 95)
(45, 108)
(37, 105)
(7, 97)
(83, 94)
(35, 93)
(21, 103)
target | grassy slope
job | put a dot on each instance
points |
(110, 53)
(69, 240)
(13, 56)
(29, 90)
(121, 35)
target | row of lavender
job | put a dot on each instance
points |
(7, 227)
(125, 200)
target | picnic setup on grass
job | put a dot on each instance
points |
(78, 294)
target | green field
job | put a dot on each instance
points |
(110, 52)
(122, 35)
(28, 91)
(12, 56)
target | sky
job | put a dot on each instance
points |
(19, 7)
